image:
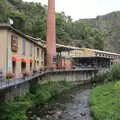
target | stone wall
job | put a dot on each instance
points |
(71, 76)
(14, 91)
(80, 76)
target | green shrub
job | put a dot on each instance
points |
(115, 72)
(16, 109)
(47, 91)
(40, 94)
(101, 78)
(105, 100)
(112, 75)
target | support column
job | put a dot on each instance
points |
(51, 35)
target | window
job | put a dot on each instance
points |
(23, 66)
(14, 43)
(23, 47)
(42, 53)
(14, 66)
(37, 52)
(31, 47)
(30, 66)
(35, 65)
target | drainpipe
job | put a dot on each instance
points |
(7, 53)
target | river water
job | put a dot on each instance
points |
(70, 105)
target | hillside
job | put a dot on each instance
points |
(109, 24)
(31, 18)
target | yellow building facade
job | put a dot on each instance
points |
(87, 52)
(19, 52)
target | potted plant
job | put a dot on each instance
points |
(25, 74)
(34, 71)
(10, 75)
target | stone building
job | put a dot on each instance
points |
(19, 53)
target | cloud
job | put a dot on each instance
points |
(78, 9)
(84, 8)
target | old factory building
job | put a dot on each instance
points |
(19, 53)
(22, 54)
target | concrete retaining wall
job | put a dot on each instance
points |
(71, 76)
(81, 77)
(14, 91)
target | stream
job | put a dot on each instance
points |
(70, 105)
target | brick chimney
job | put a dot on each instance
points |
(51, 35)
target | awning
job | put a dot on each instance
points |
(24, 60)
(31, 60)
(14, 58)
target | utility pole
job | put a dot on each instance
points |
(51, 35)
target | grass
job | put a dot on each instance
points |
(40, 94)
(105, 101)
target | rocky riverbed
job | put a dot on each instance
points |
(70, 105)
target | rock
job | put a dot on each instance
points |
(29, 112)
(58, 114)
(71, 96)
(83, 114)
(75, 117)
(38, 118)
(55, 113)
(33, 117)
(51, 112)
(47, 116)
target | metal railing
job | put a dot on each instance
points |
(6, 83)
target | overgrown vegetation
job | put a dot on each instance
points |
(105, 99)
(105, 102)
(17, 109)
(112, 75)
(31, 18)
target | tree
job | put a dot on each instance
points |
(3, 12)
(31, 18)
(18, 19)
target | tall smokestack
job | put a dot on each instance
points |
(51, 35)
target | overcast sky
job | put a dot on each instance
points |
(80, 9)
